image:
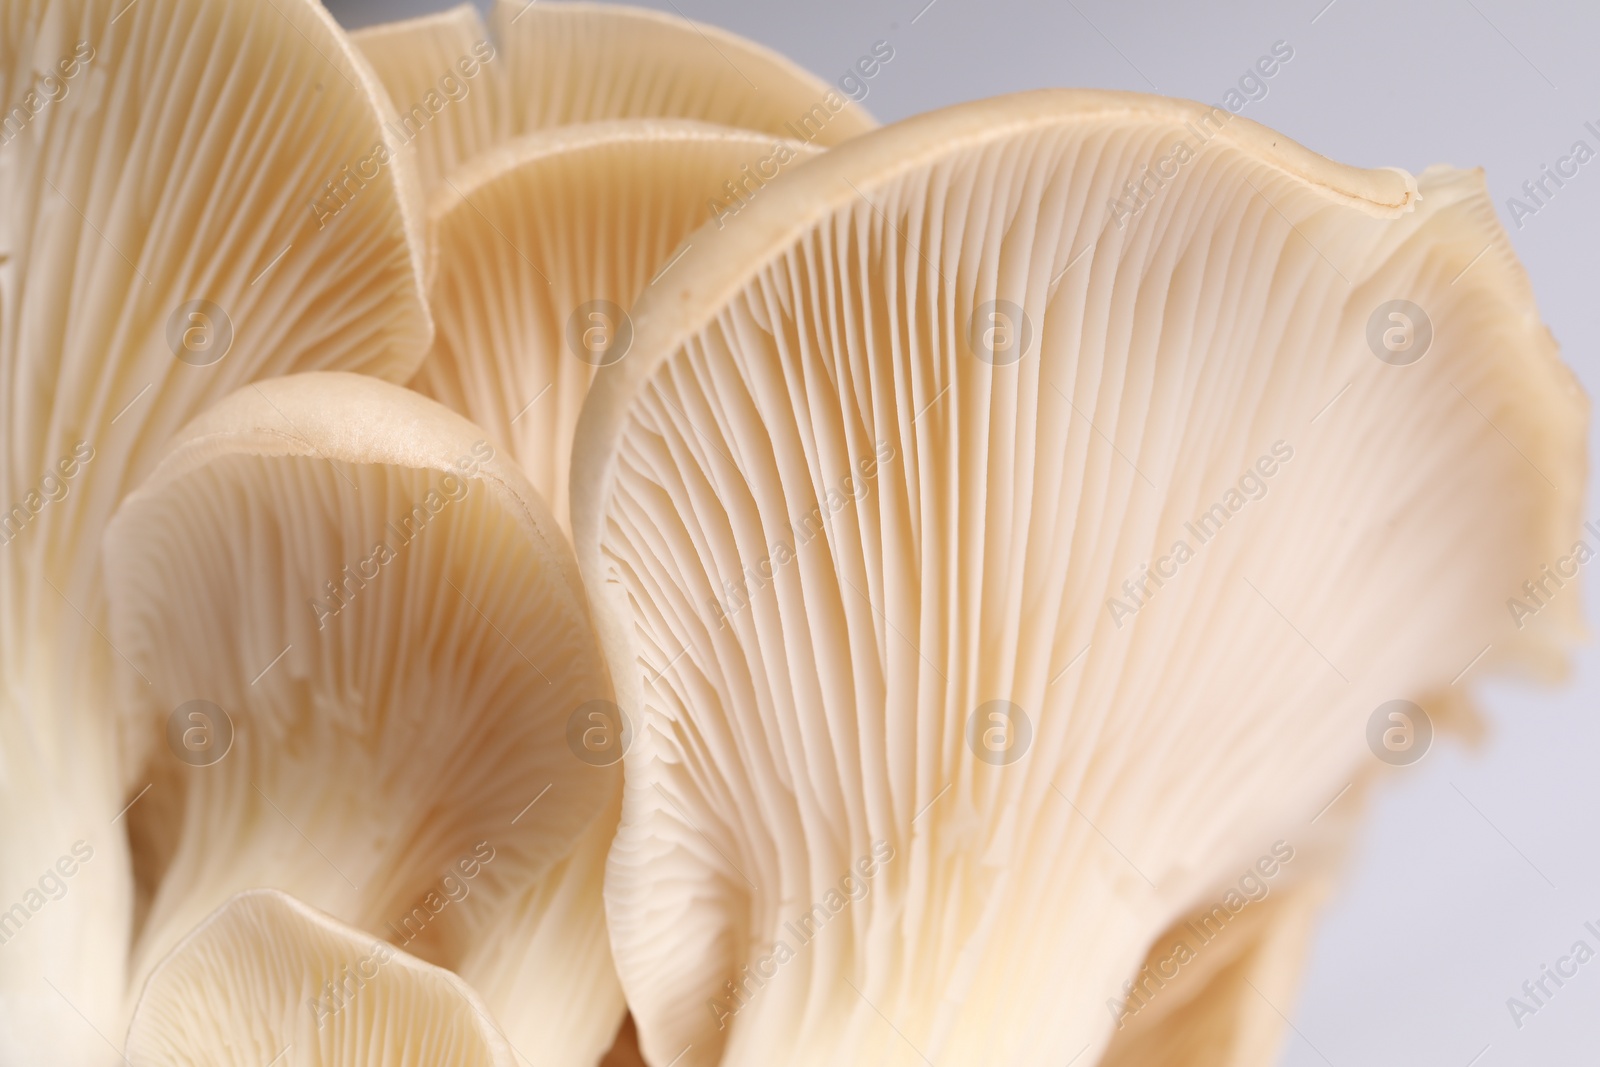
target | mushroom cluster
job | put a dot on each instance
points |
(530, 531)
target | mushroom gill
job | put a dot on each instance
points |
(996, 557)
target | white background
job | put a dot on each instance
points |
(1445, 910)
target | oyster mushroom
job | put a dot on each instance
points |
(168, 234)
(926, 758)
(265, 965)
(378, 616)
(540, 65)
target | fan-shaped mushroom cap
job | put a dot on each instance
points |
(366, 648)
(540, 246)
(538, 65)
(167, 234)
(267, 979)
(926, 758)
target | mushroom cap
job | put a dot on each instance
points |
(881, 523)
(363, 642)
(265, 974)
(167, 235)
(461, 87)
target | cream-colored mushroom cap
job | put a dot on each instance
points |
(460, 87)
(197, 195)
(367, 671)
(938, 725)
(267, 979)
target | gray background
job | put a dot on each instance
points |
(1477, 866)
